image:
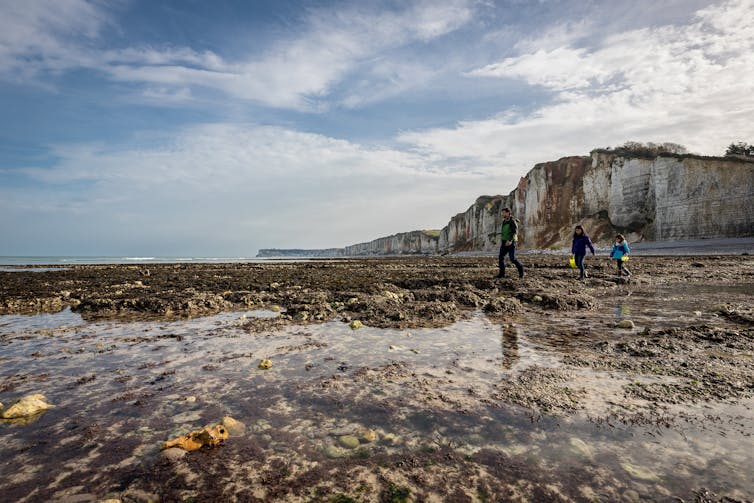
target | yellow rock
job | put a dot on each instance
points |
(265, 364)
(29, 405)
(355, 324)
(366, 435)
(209, 436)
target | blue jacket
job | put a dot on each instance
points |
(619, 250)
(580, 244)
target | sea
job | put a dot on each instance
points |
(718, 246)
(76, 260)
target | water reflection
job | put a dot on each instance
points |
(509, 343)
(126, 386)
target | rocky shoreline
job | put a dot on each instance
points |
(672, 348)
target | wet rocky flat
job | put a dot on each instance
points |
(456, 387)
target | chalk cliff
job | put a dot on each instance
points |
(655, 198)
(667, 197)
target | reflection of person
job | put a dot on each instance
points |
(509, 237)
(620, 248)
(580, 243)
(510, 346)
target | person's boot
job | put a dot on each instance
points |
(521, 273)
(501, 274)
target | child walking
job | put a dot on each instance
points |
(620, 248)
(580, 243)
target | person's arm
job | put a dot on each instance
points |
(573, 247)
(628, 250)
(589, 243)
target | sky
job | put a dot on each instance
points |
(214, 129)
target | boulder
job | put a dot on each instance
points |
(29, 405)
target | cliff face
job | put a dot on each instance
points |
(414, 242)
(663, 198)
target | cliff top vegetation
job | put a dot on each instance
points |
(740, 151)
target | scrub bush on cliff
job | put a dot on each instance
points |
(740, 148)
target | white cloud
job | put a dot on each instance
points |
(691, 84)
(294, 72)
(274, 186)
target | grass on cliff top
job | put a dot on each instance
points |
(432, 232)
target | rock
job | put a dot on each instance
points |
(190, 399)
(393, 347)
(630, 496)
(173, 454)
(627, 324)
(537, 298)
(235, 428)
(78, 498)
(349, 441)
(580, 448)
(207, 436)
(366, 435)
(588, 493)
(697, 313)
(355, 324)
(265, 364)
(333, 451)
(639, 472)
(109, 500)
(29, 405)
(139, 496)
(391, 295)
(275, 309)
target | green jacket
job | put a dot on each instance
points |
(509, 230)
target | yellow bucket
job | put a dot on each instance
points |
(572, 262)
(624, 258)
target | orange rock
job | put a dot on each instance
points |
(209, 435)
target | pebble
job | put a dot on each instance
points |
(174, 454)
(333, 451)
(265, 364)
(355, 324)
(630, 496)
(349, 441)
(639, 472)
(235, 428)
(537, 298)
(190, 399)
(626, 324)
(366, 435)
(580, 448)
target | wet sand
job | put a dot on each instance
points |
(458, 387)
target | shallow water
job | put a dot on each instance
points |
(120, 389)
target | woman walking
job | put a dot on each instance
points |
(580, 243)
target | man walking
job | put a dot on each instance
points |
(509, 236)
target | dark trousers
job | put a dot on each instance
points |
(580, 264)
(509, 250)
(622, 269)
